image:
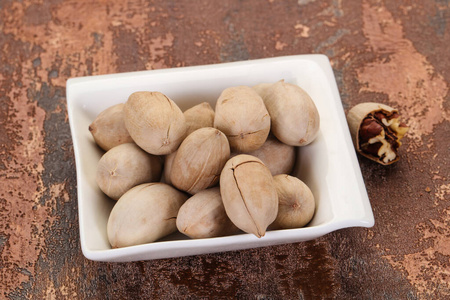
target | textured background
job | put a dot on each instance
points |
(394, 52)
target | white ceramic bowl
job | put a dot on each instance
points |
(328, 166)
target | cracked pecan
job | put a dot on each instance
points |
(376, 131)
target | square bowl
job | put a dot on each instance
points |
(329, 165)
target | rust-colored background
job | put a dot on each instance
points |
(394, 52)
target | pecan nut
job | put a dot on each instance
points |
(376, 131)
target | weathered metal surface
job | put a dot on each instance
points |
(395, 52)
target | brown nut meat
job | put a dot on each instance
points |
(376, 131)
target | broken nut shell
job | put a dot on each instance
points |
(376, 131)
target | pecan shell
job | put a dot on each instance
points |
(376, 131)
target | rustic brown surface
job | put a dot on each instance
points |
(394, 52)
